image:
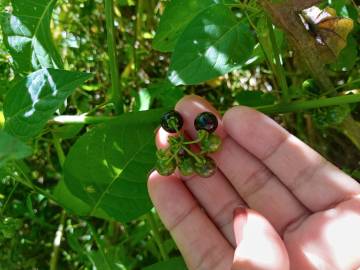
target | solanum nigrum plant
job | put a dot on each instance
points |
(83, 85)
(180, 151)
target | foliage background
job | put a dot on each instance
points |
(35, 204)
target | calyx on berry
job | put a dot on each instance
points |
(172, 121)
(180, 154)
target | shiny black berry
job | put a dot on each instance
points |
(172, 121)
(206, 121)
(206, 168)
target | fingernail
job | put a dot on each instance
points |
(240, 219)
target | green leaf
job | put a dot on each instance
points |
(173, 264)
(255, 98)
(107, 168)
(213, 44)
(73, 204)
(27, 35)
(178, 14)
(33, 100)
(12, 149)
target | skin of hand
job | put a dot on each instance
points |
(274, 203)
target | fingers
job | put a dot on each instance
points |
(260, 189)
(328, 239)
(259, 247)
(199, 241)
(300, 168)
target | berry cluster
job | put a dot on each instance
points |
(181, 152)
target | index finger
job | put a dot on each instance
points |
(317, 183)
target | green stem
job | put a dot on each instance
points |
(26, 181)
(156, 235)
(280, 73)
(57, 242)
(98, 243)
(59, 150)
(116, 96)
(269, 109)
(8, 199)
(308, 105)
(198, 160)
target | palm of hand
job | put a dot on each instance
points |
(305, 212)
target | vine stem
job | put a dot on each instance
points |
(98, 243)
(116, 95)
(156, 235)
(269, 109)
(280, 73)
(307, 105)
(60, 231)
(2, 211)
(57, 242)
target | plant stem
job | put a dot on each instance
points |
(57, 242)
(307, 105)
(269, 109)
(98, 243)
(116, 95)
(28, 183)
(2, 211)
(59, 150)
(156, 235)
(280, 73)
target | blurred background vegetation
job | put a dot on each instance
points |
(30, 222)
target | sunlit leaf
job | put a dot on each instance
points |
(27, 35)
(178, 14)
(34, 100)
(213, 44)
(108, 167)
(11, 148)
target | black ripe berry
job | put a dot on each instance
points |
(206, 121)
(172, 121)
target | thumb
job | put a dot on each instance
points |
(259, 247)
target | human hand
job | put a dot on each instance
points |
(301, 211)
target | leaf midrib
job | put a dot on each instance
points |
(211, 45)
(117, 176)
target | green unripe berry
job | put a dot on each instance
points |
(186, 166)
(163, 154)
(165, 167)
(211, 144)
(206, 168)
(310, 86)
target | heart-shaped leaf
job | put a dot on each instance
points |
(108, 167)
(27, 35)
(213, 44)
(34, 100)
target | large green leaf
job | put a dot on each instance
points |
(34, 99)
(27, 35)
(177, 15)
(11, 148)
(72, 203)
(173, 264)
(107, 168)
(213, 44)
